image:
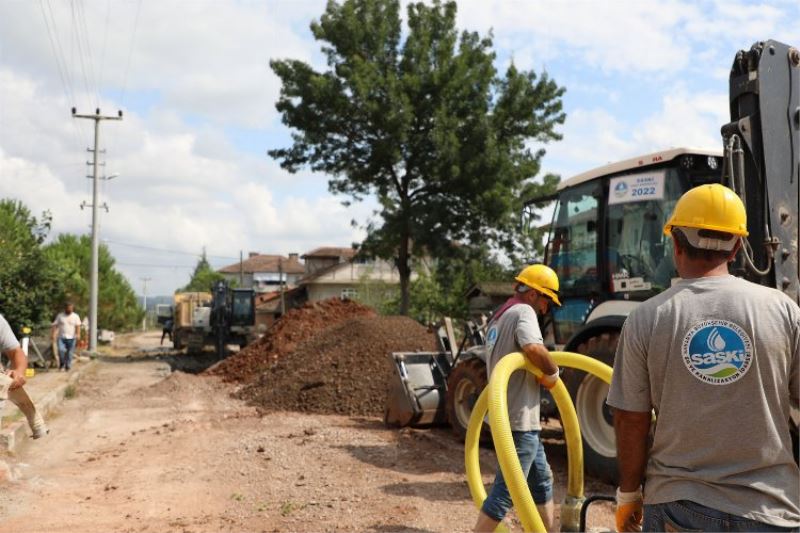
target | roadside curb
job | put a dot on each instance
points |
(16, 433)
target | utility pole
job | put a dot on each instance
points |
(241, 269)
(280, 278)
(144, 291)
(93, 277)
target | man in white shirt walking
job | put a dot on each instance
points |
(66, 329)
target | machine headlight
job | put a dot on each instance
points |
(712, 162)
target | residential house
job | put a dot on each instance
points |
(263, 272)
(341, 273)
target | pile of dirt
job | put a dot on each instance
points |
(295, 326)
(343, 370)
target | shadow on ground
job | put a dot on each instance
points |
(407, 458)
(452, 491)
(397, 528)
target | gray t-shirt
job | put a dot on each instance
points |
(7, 339)
(717, 358)
(514, 329)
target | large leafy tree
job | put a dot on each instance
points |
(27, 281)
(422, 120)
(118, 308)
(203, 277)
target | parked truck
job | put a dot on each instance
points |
(185, 306)
(219, 318)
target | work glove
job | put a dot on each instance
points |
(549, 381)
(629, 510)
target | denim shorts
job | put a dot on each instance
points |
(534, 465)
(684, 515)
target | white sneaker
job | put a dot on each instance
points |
(39, 428)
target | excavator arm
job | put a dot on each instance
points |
(762, 161)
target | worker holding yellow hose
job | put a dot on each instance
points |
(515, 328)
(718, 358)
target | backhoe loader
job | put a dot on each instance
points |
(607, 246)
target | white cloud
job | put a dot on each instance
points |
(594, 137)
(685, 119)
(615, 36)
(178, 189)
(210, 59)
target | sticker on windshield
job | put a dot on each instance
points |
(628, 284)
(636, 188)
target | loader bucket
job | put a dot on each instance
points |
(418, 389)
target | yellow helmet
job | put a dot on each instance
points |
(541, 278)
(713, 207)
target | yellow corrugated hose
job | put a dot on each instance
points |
(494, 397)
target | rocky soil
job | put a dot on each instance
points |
(342, 369)
(293, 328)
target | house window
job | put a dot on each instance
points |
(349, 293)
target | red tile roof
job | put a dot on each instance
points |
(330, 251)
(266, 263)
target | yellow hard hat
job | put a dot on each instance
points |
(713, 207)
(541, 278)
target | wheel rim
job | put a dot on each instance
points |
(594, 416)
(466, 395)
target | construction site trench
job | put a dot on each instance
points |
(285, 435)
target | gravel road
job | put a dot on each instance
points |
(141, 448)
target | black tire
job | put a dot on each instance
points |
(594, 416)
(177, 343)
(465, 383)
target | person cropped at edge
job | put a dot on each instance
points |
(9, 347)
(66, 329)
(515, 328)
(717, 358)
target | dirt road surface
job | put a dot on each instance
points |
(141, 448)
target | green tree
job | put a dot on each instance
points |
(117, 306)
(26, 279)
(423, 121)
(440, 290)
(203, 277)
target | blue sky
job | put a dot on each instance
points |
(198, 96)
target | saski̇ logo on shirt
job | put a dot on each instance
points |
(717, 352)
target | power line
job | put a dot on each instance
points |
(77, 33)
(149, 265)
(92, 63)
(83, 31)
(105, 43)
(61, 65)
(166, 250)
(130, 53)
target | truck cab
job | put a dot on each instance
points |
(607, 245)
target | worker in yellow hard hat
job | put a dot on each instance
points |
(718, 359)
(515, 328)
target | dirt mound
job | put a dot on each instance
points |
(343, 370)
(297, 325)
